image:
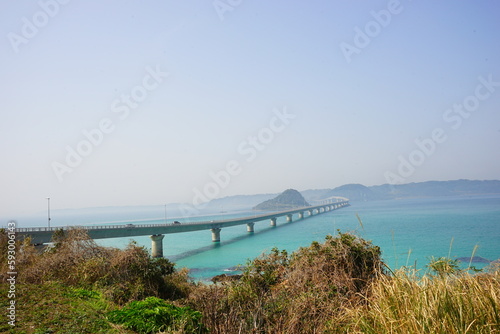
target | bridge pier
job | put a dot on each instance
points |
(215, 234)
(157, 245)
(40, 235)
(250, 227)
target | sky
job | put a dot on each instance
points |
(121, 103)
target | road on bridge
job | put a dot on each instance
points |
(40, 235)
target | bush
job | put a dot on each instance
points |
(76, 260)
(154, 315)
(299, 293)
(443, 266)
(447, 304)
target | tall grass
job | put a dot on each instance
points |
(408, 303)
(305, 292)
(76, 260)
(339, 286)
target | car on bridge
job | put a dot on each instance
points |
(176, 222)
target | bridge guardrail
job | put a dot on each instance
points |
(130, 225)
(101, 227)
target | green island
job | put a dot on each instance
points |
(288, 199)
(338, 286)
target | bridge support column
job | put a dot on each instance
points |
(157, 245)
(250, 227)
(310, 212)
(215, 234)
(273, 222)
(289, 218)
(301, 215)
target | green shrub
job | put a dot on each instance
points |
(443, 266)
(154, 314)
(77, 261)
(444, 304)
(302, 292)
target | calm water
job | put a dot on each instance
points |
(409, 232)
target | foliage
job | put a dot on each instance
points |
(123, 275)
(297, 293)
(443, 266)
(153, 315)
(407, 303)
(55, 308)
(288, 199)
(338, 286)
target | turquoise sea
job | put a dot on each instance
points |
(409, 232)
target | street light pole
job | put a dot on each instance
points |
(48, 209)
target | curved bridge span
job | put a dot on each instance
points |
(40, 235)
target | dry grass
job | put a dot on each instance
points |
(338, 286)
(407, 303)
(305, 292)
(76, 260)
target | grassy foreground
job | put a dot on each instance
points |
(339, 286)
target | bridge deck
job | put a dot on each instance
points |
(44, 234)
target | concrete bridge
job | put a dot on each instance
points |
(40, 235)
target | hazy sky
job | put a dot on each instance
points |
(148, 102)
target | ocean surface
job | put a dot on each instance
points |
(409, 232)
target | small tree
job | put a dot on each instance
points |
(443, 266)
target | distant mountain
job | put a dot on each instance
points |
(354, 192)
(289, 199)
(437, 189)
(315, 195)
(359, 192)
(238, 202)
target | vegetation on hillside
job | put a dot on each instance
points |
(288, 199)
(304, 292)
(338, 286)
